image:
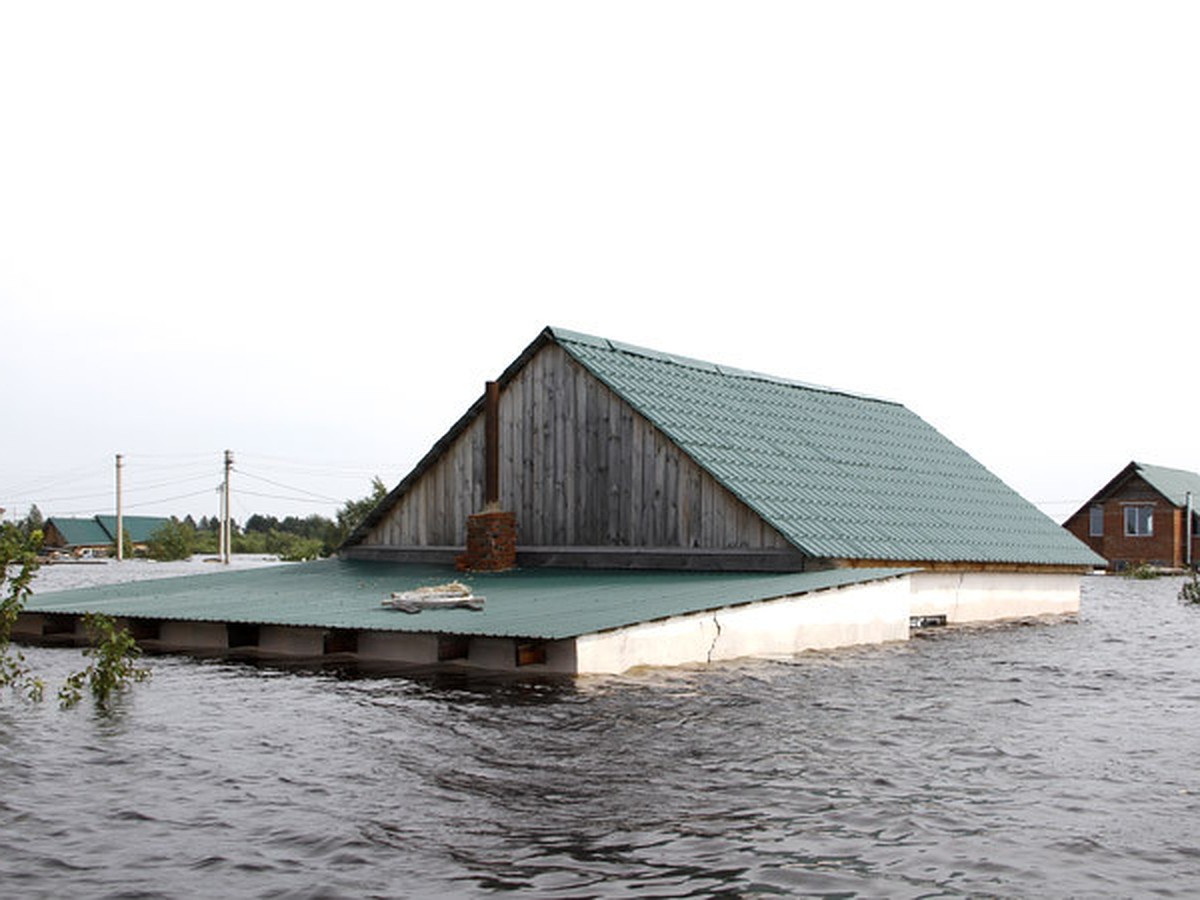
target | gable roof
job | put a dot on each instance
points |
(837, 474)
(80, 532)
(101, 530)
(139, 528)
(1173, 484)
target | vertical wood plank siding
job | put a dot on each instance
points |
(579, 467)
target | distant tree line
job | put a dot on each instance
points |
(292, 538)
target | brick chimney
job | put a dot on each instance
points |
(491, 534)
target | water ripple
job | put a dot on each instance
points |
(1049, 760)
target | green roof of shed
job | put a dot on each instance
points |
(139, 528)
(80, 532)
(839, 475)
(527, 603)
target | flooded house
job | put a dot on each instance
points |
(1144, 515)
(604, 506)
(97, 535)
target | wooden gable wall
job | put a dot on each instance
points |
(580, 468)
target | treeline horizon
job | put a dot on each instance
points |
(292, 538)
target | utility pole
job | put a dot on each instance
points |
(120, 518)
(225, 508)
(221, 520)
(1190, 530)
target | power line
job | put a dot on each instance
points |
(278, 497)
(167, 499)
(288, 487)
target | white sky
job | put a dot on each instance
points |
(309, 231)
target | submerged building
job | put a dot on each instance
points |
(618, 507)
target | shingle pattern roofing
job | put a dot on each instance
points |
(1174, 484)
(839, 475)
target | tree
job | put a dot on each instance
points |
(112, 648)
(352, 513)
(35, 521)
(18, 554)
(261, 523)
(126, 545)
(172, 540)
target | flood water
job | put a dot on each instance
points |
(1049, 760)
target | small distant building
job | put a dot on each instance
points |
(1145, 515)
(98, 534)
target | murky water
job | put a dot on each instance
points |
(1018, 761)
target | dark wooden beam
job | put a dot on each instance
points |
(491, 436)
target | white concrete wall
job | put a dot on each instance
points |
(993, 596)
(858, 614)
(396, 646)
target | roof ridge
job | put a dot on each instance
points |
(578, 337)
(1143, 465)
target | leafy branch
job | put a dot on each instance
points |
(113, 668)
(113, 650)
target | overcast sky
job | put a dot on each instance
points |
(309, 231)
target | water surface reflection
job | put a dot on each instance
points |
(1006, 761)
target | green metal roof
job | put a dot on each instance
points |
(1173, 484)
(528, 603)
(839, 475)
(139, 528)
(80, 532)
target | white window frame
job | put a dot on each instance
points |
(1143, 517)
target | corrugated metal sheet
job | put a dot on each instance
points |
(140, 528)
(80, 532)
(528, 603)
(839, 475)
(100, 530)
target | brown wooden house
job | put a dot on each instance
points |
(1144, 515)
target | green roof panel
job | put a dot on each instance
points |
(530, 603)
(139, 528)
(838, 474)
(80, 532)
(1174, 484)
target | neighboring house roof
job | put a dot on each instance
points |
(139, 528)
(837, 474)
(100, 530)
(80, 532)
(1173, 484)
(526, 603)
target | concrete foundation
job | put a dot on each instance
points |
(993, 596)
(203, 636)
(861, 614)
(396, 646)
(282, 640)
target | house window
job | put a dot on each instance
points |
(1096, 521)
(1139, 521)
